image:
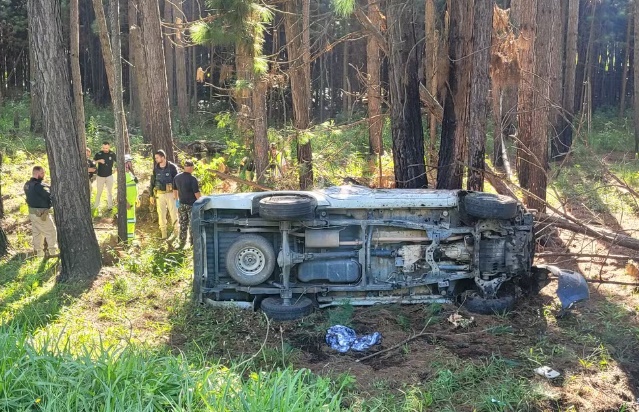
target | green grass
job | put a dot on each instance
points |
(39, 375)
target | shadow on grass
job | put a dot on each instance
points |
(30, 298)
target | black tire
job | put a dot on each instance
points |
(490, 206)
(276, 310)
(250, 260)
(499, 305)
(289, 207)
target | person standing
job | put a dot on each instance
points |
(104, 159)
(39, 201)
(162, 189)
(276, 162)
(131, 197)
(186, 191)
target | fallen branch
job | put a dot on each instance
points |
(225, 176)
(584, 255)
(614, 238)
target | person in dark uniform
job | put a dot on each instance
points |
(162, 189)
(39, 202)
(105, 159)
(186, 191)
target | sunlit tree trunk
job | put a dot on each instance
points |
(297, 22)
(452, 151)
(169, 54)
(557, 51)
(180, 75)
(78, 100)
(373, 65)
(480, 85)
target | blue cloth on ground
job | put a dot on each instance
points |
(342, 339)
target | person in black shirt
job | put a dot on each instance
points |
(39, 202)
(162, 189)
(105, 159)
(186, 191)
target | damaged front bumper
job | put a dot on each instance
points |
(572, 286)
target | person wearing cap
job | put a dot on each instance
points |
(276, 162)
(162, 190)
(39, 201)
(186, 191)
(131, 197)
(105, 159)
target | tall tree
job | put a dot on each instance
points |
(636, 79)
(626, 59)
(78, 99)
(169, 53)
(180, 73)
(298, 46)
(452, 151)
(405, 29)
(480, 85)
(35, 103)
(373, 66)
(156, 110)
(79, 250)
(121, 134)
(535, 36)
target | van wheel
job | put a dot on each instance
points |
(290, 207)
(250, 260)
(276, 310)
(484, 306)
(490, 206)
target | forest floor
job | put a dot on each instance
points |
(142, 297)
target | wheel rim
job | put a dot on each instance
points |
(250, 261)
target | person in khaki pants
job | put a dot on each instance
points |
(39, 202)
(162, 189)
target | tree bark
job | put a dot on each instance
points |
(626, 61)
(121, 134)
(431, 61)
(78, 99)
(373, 66)
(636, 79)
(105, 43)
(480, 85)
(157, 110)
(298, 47)
(180, 75)
(536, 21)
(79, 250)
(139, 71)
(452, 151)
(260, 128)
(169, 55)
(35, 105)
(557, 51)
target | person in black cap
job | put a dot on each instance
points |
(186, 191)
(39, 202)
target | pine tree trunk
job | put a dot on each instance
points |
(373, 66)
(346, 83)
(35, 105)
(260, 127)
(78, 100)
(79, 250)
(169, 55)
(452, 151)
(139, 71)
(480, 85)
(430, 69)
(180, 74)
(121, 134)
(636, 79)
(105, 45)
(405, 105)
(565, 139)
(241, 92)
(298, 47)
(536, 26)
(157, 110)
(626, 61)
(557, 51)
